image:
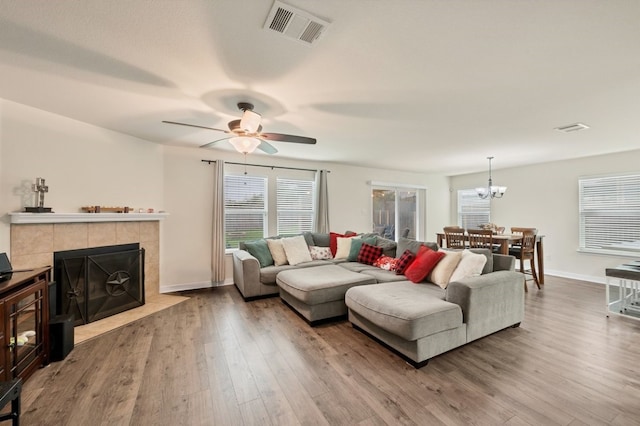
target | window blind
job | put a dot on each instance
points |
(245, 208)
(609, 212)
(473, 211)
(295, 206)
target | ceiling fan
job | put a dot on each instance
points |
(246, 133)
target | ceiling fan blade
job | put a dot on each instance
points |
(287, 138)
(210, 144)
(267, 147)
(194, 125)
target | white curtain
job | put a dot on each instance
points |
(321, 223)
(218, 243)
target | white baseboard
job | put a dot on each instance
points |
(580, 277)
(192, 286)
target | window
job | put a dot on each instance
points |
(245, 208)
(609, 213)
(473, 211)
(295, 206)
(395, 208)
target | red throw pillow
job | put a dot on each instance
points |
(426, 260)
(369, 254)
(405, 260)
(333, 242)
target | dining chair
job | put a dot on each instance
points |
(480, 238)
(454, 235)
(525, 250)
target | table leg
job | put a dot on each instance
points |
(504, 247)
(439, 241)
(540, 253)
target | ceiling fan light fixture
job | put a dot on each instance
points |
(250, 121)
(244, 145)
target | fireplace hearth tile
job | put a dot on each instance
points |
(155, 303)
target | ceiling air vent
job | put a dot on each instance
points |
(572, 127)
(294, 23)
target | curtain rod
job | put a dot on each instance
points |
(262, 165)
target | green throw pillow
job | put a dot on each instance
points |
(356, 245)
(260, 250)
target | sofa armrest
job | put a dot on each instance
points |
(503, 262)
(489, 302)
(246, 273)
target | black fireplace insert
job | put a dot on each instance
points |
(98, 282)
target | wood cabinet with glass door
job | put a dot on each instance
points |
(24, 312)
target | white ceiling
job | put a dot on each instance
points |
(423, 85)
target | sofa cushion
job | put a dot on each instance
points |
(277, 251)
(260, 250)
(333, 242)
(404, 261)
(389, 247)
(413, 245)
(404, 309)
(296, 250)
(471, 265)
(488, 267)
(369, 254)
(321, 284)
(321, 239)
(387, 263)
(381, 275)
(426, 260)
(319, 253)
(441, 273)
(343, 247)
(268, 275)
(356, 245)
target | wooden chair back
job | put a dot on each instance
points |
(454, 235)
(480, 238)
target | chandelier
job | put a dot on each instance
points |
(491, 190)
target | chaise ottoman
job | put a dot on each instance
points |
(411, 318)
(317, 293)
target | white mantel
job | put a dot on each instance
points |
(29, 218)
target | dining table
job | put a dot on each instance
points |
(504, 241)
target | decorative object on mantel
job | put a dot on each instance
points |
(491, 190)
(39, 188)
(100, 209)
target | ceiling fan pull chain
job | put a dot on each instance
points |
(245, 165)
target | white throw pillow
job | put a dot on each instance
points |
(277, 252)
(441, 274)
(320, 253)
(296, 249)
(344, 247)
(470, 265)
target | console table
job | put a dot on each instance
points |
(623, 289)
(24, 327)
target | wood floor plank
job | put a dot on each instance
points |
(218, 360)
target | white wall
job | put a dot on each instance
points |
(82, 164)
(545, 196)
(86, 165)
(188, 198)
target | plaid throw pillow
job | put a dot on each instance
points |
(369, 254)
(405, 260)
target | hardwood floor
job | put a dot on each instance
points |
(215, 359)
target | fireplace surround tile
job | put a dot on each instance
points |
(69, 236)
(101, 234)
(30, 239)
(127, 232)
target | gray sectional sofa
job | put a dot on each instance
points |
(418, 321)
